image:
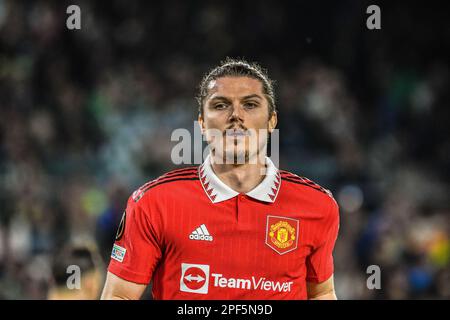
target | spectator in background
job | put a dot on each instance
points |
(87, 259)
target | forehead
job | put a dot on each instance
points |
(234, 86)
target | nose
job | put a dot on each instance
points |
(237, 113)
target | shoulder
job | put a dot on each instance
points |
(167, 181)
(299, 182)
(323, 198)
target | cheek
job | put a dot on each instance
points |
(214, 121)
(261, 121)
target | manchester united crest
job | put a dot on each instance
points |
(282, 233)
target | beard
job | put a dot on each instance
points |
(237, 150)
(237, 156)
(231, 152)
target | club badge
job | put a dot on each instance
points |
(282, 234)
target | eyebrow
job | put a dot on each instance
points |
(251, 96)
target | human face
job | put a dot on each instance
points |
(236, 119)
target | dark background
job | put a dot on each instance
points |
(86, 118)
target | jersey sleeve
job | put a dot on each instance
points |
(137, 248)
(319, 263)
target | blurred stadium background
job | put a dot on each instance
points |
(86, 117)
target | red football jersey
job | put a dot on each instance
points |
(197, 238)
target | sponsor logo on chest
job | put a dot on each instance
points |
(198, 278)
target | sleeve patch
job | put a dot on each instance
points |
(118, 253)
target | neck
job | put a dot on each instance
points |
(240, 177)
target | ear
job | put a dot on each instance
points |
(273, 120)
(201, 123)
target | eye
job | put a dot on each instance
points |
(250, 105)
(220, 106)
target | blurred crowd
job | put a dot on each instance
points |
(86, 117)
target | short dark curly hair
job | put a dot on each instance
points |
(238, 68)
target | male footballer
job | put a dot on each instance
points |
(235, 227)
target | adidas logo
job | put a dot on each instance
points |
(201, 233)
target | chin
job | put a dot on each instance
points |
(233, 157)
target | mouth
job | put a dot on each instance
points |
(237, 133)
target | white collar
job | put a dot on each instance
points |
(218, 191)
